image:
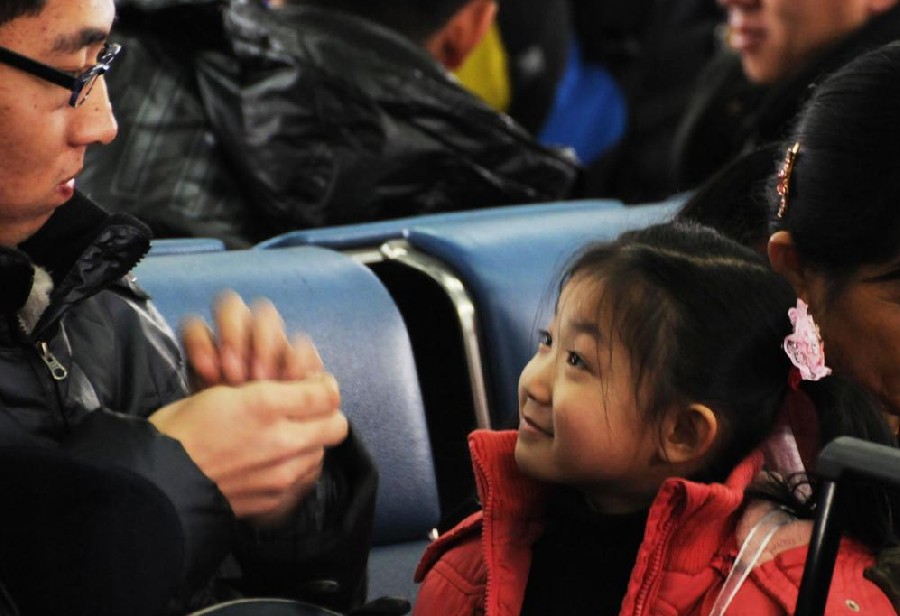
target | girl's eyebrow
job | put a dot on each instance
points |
(588, 328)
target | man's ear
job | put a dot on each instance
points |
(462, 33)
(689, 433)
(785, 260)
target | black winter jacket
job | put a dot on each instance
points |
(729, 116)
(297, 118)
(100, 360)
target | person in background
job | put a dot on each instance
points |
(250, 120)
(751, 92)
(518, 65)
(654, 50)
(89, 369)
(837, 230)
(836, 222)
(643, 460)
(606, 78)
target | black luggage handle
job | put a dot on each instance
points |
(843, 456)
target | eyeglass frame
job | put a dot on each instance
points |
(75, 84)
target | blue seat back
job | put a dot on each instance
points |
(368, 234)
(182, 245)
(363, 341)
(510, 267)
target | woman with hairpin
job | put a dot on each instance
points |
(837, 229)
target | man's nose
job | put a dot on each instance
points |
(94, 121)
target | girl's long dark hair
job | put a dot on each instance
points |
(704, 320)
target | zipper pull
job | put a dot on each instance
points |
(57, 370)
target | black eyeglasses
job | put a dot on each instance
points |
(80, 85)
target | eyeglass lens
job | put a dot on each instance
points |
(87, 80)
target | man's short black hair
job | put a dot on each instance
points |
(415, 19)
(11, 9)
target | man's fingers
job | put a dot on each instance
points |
(302, 360)
(200, 351)
(268, 341)
(233, 323)
(315, 396)
(312, 434)
(278, 478)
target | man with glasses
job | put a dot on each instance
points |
(87, 368)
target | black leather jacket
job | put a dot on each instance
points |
(298, 118)
(100, 360)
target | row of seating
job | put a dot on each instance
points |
(426, 322)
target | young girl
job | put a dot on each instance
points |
(642, 418)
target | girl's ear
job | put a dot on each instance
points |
(689, 433)
(785, 260)
(456, 40)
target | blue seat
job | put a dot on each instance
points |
(363, 341)
(500, 274)
(181, 245)
(372, 234)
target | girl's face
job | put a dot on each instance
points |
(579, 422)
(861, 329)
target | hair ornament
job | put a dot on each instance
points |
(784, 178)
(804, 347)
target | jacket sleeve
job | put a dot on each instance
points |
(131, 443)
(126, 365)
(320, 555)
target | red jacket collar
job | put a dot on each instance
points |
(688, 523)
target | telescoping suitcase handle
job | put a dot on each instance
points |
(842, 457)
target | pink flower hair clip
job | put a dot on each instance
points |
(804, 347)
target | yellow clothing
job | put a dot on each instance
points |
(485, 72)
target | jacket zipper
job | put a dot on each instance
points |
(59, 373)
(57, 370)
(654, 568)
(481, 477)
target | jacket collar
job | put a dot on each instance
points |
(82, 246)
(505, 491)
(688, 525)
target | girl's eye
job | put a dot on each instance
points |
(574, 360)
(544, 338)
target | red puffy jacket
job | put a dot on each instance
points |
(690, 543)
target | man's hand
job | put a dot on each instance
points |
(262, 443)
(251, 346)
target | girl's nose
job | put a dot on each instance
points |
(536, 381)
